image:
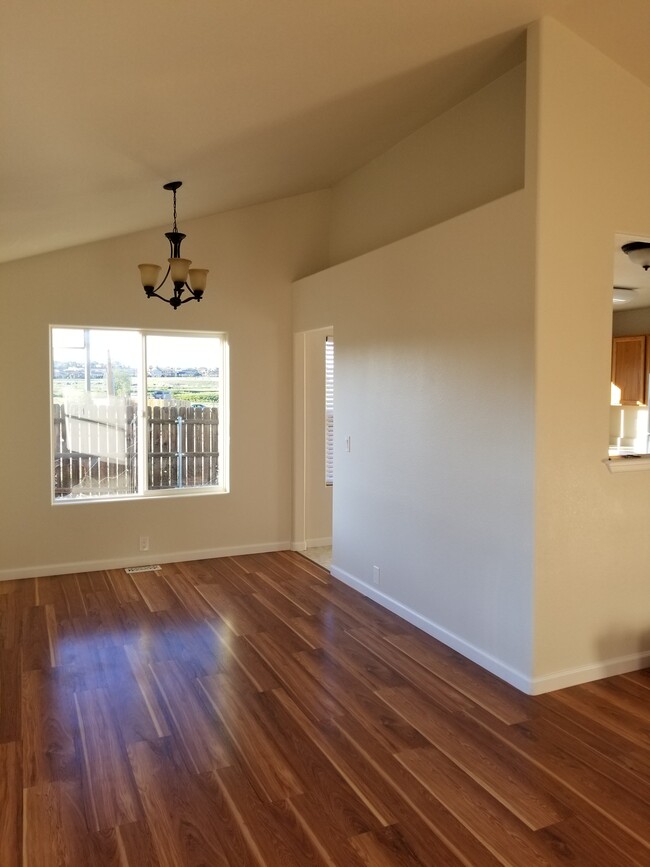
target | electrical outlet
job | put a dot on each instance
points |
(144, 543)
(376, 575)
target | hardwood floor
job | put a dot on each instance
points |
(253, 711)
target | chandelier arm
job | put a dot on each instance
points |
(169, 268)
(154, 294)
(191, 296)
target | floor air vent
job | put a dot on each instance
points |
(133, 569)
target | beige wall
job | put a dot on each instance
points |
(466, 157)
(592, 593)
(434, 373)
(254, 255)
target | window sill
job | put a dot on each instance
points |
(627, 463)
(166, 494)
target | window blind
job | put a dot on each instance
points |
(329, 410)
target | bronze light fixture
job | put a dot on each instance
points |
(178, 268)
(639, 253)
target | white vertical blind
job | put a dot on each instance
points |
(329, 410)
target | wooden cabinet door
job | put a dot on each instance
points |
(629, 368)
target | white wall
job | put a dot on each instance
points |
(468, 156)
(254, 254)
(434, 374)
(592, 593)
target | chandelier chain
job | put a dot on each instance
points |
(175, 228)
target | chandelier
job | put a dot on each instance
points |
(178, 268)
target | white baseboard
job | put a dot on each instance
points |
(319, 543)
(493, 665)
(303, 544)
(593, 671)
(41, 571)
(531, 686)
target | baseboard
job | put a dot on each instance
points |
(303, 544)
(319, 543)
(531, 686)
(490, 663)
(42, 571)
(593, 671)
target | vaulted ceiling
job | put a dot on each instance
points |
(244, 100)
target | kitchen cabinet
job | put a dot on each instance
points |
(630, 368)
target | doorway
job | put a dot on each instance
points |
(313, 442)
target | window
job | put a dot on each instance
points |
(137, 413)
(329, 410)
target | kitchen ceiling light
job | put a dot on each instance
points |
(639, 253)
(178, 268)
(622, 295)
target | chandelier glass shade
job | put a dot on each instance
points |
(184, 278)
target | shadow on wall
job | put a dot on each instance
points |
(412, 99)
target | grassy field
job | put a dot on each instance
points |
(195, 389)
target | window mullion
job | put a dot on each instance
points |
(143, 447)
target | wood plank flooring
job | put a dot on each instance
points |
(254, 711)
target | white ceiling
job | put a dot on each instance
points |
(244, 100)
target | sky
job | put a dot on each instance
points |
(170, 350)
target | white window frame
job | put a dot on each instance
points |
(224, 420)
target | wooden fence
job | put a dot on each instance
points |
(183, 449)
(96, 447)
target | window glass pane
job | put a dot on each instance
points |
(136, 413)
(183, 411)
(94, 404)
